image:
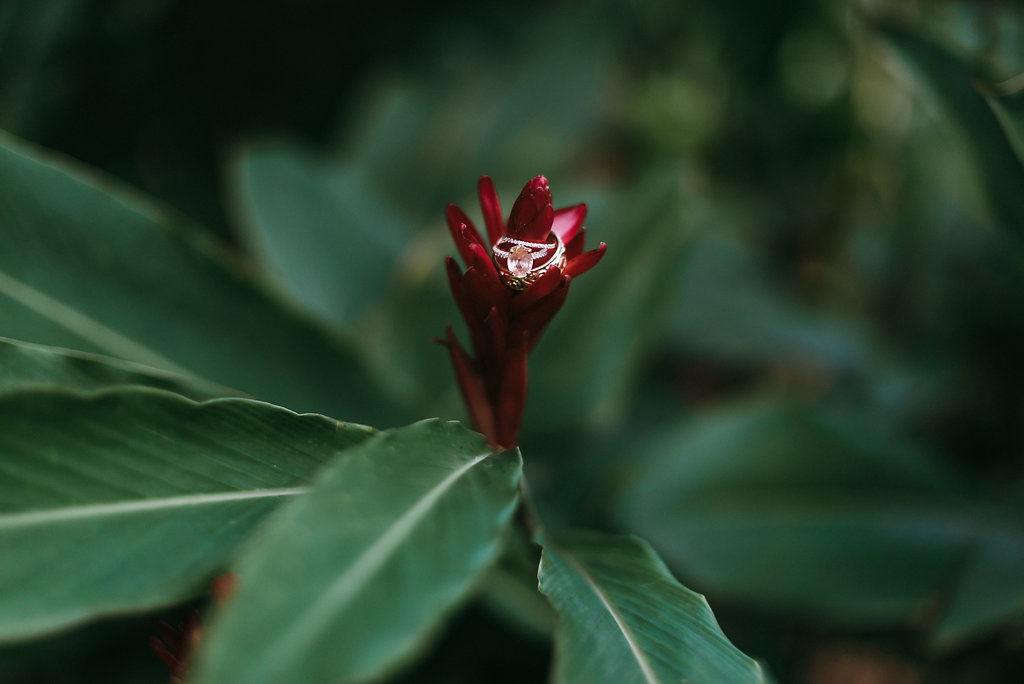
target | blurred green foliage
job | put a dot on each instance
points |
(814, 212)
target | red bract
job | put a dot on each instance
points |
(176, 646)
(506, 314)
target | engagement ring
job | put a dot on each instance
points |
(521, 262)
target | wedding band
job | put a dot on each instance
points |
(520, 266)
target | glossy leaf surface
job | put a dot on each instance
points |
(624, 618)
(348, 581)
(129, 499)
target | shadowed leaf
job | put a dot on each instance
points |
(24, 365)
(87, 265)
(774, 504)
(130, 499)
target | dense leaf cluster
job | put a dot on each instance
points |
(798, 376)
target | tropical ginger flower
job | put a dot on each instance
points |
(513, 286)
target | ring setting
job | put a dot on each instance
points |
(521, 263)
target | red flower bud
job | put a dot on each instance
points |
(506, 316)
(532, 214)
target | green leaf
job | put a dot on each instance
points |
(336, 241)
(89, 266)
(24, 365)
(777, 505)
(350, 580)
(321, 228)
(129, 499)
(624, 618)
(954, 84)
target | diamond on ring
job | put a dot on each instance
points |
(524, 261)
(520, 261)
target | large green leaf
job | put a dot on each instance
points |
(339, 244)
(349, 580)
(24, 365)
(775, 504)
(624, 618)
(88, 266)
(128, 499)
(321, 228)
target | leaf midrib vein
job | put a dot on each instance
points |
(627, 634)
(361, 572)
(84, 326)
(86, 511)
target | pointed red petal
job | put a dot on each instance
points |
(532, 214)
(539, 228)
(574, 247)
(480, 259)
(534, 320)
(169, 635)
(491, 208)
(191, 629)
(482, 304)
(467, 303)
(512, 397)
(540, 288)
(471, 237)
(463, 232)
(496, 324)
(455, 283)
(471, 386)
(486, 286)
(161, 652)
(568, 221)
(585, 262)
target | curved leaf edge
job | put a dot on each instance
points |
(192, 237)
(60, 392)
(559, 541)
(411, 650)
(200, 386)
(191, 590)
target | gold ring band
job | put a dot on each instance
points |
(520, 265)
